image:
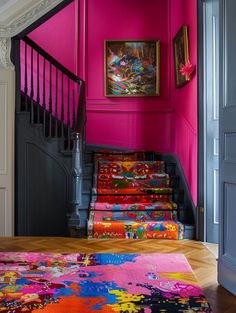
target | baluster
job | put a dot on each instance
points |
(44, 91)
(56, 105)
(62, 105)
(85, 117)
(76, 193)
(73, 108)
(26, 80)
(68, 103)
(68, 116)
(50, 100)
(82, 103)
(32, 87)
(38, 95)
(44, 96)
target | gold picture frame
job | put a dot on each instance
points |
(181, 55)
(132, 68)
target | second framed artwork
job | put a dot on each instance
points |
(181, 55)
(132, 68)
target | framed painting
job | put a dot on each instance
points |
(132, 68)
(181, 55)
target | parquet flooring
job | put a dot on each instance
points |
(202, 261)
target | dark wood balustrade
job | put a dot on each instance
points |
(55, 98)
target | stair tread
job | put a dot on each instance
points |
(150, 221)
(114, 199)
(130, 167)
(133, 229)
(142, 206)
(128, 217)
(126, 200)
(133, 191)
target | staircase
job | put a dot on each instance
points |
(58, 193)
(132, 197)
(50, 128)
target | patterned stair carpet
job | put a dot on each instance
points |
(131, 198)
(108, 283)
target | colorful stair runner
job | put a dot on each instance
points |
(131, 198)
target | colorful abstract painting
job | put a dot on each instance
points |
(132, 68)
(98, 283)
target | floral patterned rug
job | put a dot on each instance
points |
(98, 283)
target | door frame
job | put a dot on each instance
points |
(201, 190)
(203, 165)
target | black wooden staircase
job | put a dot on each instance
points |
(54, 167)
(50, 132)
(139, 195)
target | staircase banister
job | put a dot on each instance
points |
(51, 59)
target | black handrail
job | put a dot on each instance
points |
(77, 123)
(51, 59)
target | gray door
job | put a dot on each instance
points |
(227, 116)
(211, 113)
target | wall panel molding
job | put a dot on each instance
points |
(3, 128)
(187, 123)
(7, 111)
(100, 106)
(215, 98)
(3, 209)
(5, 50)
(229, 144)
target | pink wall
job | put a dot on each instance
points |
(58, 36)
(184, 99)
(142, 123)
(167, 123)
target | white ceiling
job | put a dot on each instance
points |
(16, 15)
(12, 9)
(6, 3)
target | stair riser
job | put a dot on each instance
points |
(154, 230)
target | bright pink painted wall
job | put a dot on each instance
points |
(127, 122)
(58, 36)
(167, 123)
(184, 99)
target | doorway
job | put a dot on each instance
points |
(209, 117)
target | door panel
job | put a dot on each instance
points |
(211, 56)
(227, 181)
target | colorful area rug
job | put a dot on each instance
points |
(107, 283)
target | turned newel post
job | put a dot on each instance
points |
(76, 186)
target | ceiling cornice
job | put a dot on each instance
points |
(5, 51)
(15, 18)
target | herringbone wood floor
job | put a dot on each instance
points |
(200, 258)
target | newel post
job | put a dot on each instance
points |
(76, 186)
